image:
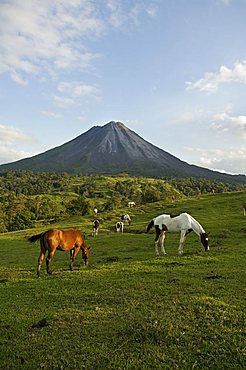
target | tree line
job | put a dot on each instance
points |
(27, 197)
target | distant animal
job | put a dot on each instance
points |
(119, 226)
(95, 227)
(183, 223)
(131, 204)
(65, 240)
(95, 210)
(244, 209)
(126, 218)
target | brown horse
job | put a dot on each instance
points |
(63, 240)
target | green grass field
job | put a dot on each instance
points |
(129, 309)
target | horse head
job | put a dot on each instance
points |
(85, 253)
(204, 241)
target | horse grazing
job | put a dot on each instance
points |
(184, 223)
(95, 227)
(126, 218)
(119, 226)
(131, 204)
(64, 240)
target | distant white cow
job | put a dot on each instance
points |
(126, 218)
(95, 210)
(119, 226)
(95, 227)
(244, 209)
(131, 204)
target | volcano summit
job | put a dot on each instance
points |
(113, 149)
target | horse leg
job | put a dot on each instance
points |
(181, 242)
(40, 260)
(48, 259)
(41, 255)
(71, 259)
(157, 240)
(162, 239)
(156, 248)
(73, 254)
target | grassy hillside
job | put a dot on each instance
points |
(129, 309)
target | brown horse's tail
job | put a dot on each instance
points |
(36, 237)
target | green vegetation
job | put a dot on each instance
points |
(29, 199)
(128, 309)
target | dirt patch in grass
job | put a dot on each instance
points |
(214, 276)
(40, 324)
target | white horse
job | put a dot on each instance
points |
(119, 226)
(244, 209)
(126, 218)
(131, 204)
(95, 211)
(184, 223)
(95, 227)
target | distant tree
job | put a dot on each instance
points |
(78, 206)
(3, 226)
(150, 194)
(21, 221)
(50, 209)
(113, 202)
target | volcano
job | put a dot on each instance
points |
(113, 149)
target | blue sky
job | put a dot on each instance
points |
(174, 71)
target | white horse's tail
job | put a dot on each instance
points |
(150, 225)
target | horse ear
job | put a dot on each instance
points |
(89, 248)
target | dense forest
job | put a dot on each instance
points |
(28, 198)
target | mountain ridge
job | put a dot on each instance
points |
(112, 149)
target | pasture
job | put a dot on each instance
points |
(129, 309)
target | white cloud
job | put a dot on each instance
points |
(117, 15)
(9, 134)
(51, 114)
(120, 14)
(77, 89)
(17, 78)
(195, 116)
(152, 11)
(63, 102)
(8, 137)
(9, 154)
(81, 118)
(212, 80)
(40, 37)
(228, 123)
(231, 160)
(72, 91)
